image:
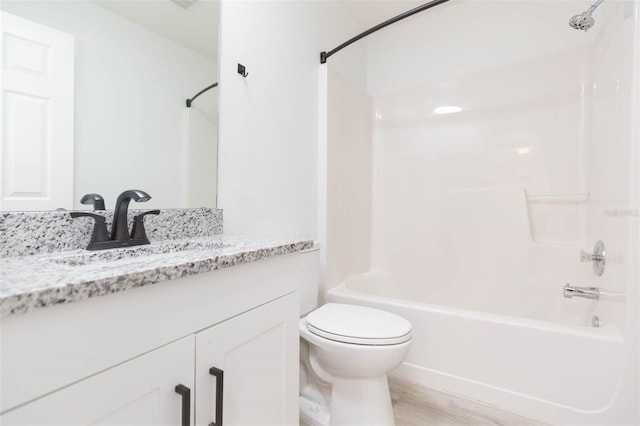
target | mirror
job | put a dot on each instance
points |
(132, 65)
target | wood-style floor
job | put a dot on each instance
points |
(414, 405)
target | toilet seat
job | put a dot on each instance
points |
(359, 325)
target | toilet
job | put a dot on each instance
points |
(346, 352)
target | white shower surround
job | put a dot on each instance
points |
(477, 218)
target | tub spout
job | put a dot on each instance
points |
(592, 293)
(586, 292)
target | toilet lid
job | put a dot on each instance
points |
(358, 324)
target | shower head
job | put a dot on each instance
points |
(584, 21)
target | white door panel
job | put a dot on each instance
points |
(36, 155)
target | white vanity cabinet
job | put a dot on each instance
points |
(137, 392)
(117, 359)
(258, 355)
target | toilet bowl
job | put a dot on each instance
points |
(346, 353)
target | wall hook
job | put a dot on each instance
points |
(242, 70)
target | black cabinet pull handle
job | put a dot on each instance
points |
(185, 392)
(219, 374)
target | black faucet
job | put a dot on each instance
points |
(120, 227)
(120, 236)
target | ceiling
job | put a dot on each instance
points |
(195, 28)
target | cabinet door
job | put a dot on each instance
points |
(137, 392)
(258, 353)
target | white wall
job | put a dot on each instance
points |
(202, 157)
(131, 86)
(268, 156)
(631, 386)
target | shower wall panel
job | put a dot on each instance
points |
(348, 178)
(523, 100)
(611, 212)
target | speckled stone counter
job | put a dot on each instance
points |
(38, 281)
(26, 233)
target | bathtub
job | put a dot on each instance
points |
(552, 372)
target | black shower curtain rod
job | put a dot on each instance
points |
(325, 55)
(189, 101)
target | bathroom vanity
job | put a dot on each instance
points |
(183, 338)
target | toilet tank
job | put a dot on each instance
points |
(309, 279)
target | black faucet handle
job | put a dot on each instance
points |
(95, 199)
(100, 232)
(137, 231)
(143, 214)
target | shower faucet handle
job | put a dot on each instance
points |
(585, 257)
(597, 257)
(589, 257)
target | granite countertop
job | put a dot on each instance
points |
(41, 280)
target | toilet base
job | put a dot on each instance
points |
(312, 413)
(361, 401)
(355, 402)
